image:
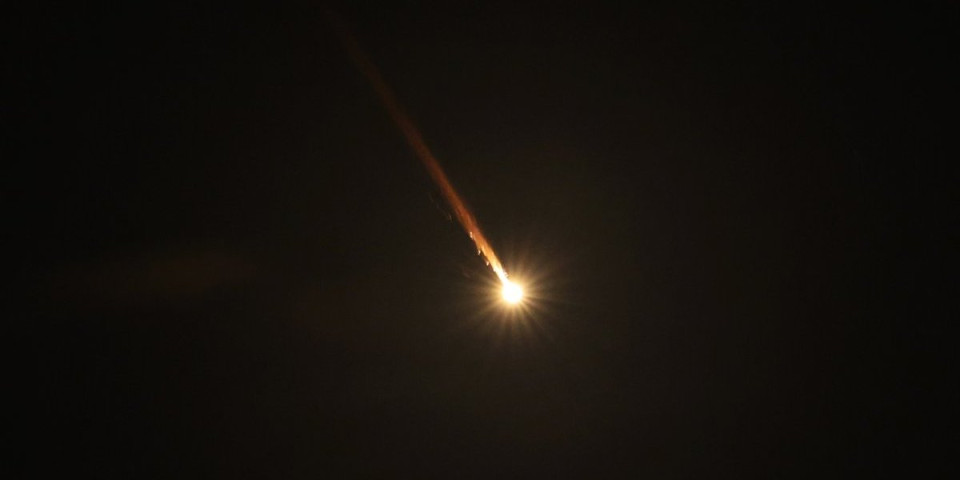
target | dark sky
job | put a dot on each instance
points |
(232, 266)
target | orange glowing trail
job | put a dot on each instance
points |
(415, 140)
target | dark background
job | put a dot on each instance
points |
(231, 265)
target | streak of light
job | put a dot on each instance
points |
(419, 146)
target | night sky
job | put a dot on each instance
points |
(229, 263)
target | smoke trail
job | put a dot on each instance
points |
(415, 140)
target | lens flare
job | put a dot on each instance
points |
(512, 292)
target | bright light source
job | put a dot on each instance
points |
(512, 292)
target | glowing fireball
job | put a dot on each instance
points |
(512, 292)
